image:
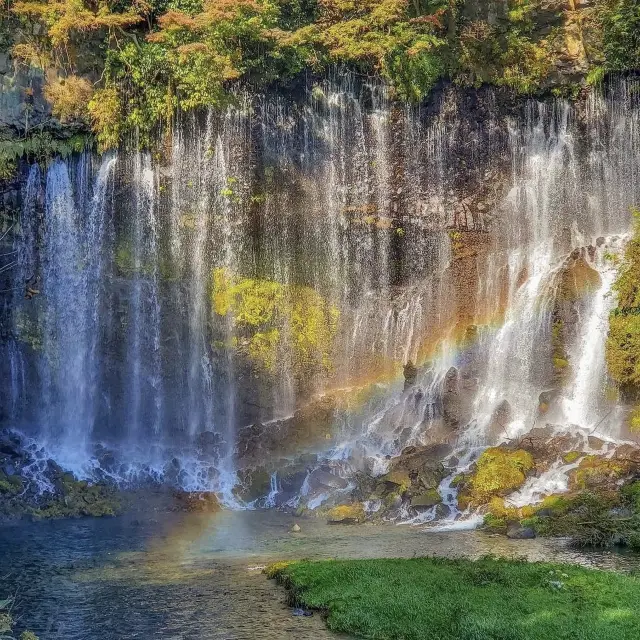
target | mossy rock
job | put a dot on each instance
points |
(10, 485)
(572, 456)
(578, 280)
(254, 484)
(77, 498)
(426, 500)
(498, 472)
(596, 472)
(458, 480)
(346, 514)
(499, 516)
(397, 480)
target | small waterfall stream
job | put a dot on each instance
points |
(291, 250)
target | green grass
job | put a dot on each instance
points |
(488, 599)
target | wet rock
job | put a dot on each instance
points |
(253, 484)
(500, 419)
(425, 500)
(598, 473)
(10, 445)
(499, 471)
(397, 480)
(442, 511)
(9, 469)
(410, 374)
(516, 531)
(627, 452)
(596, 443)
(546, 445)
(457, 399)
(197, 501)
(310, 424)
(320, 480)
(209, 443)
(545, 399)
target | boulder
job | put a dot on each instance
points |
(578, 278)
(425, 500)
(410, 374)
(398, 479)
(546, 445)
(599, 473)
(500, 419)
(628, 452)
(209, 443)
(320, 480)
(442, 511)
(499, 471)
(457, 399)
(197, 501)
(516, 531)
(346, 514)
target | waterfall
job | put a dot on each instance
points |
(72, 280)
(583, 401)
(294, 251)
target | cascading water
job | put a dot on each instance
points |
(582, 404)
(291, 250)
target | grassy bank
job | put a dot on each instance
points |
(443, 599)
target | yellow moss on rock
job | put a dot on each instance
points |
(498, 472)
(269, 315)
(596, 472)
(346, 514)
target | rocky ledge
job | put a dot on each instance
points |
(549, 482)
(34, 486)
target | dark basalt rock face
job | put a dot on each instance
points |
(40, 488)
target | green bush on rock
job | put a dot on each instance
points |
(590, 519)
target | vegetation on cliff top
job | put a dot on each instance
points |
(465, 600)
(126, 66)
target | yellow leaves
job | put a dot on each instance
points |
(105, 110)
(32, 55)
(69, 97)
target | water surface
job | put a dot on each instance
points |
(198, 576)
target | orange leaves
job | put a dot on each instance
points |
(215, 12)
(69, 97)
(172, 22)
(219, 10)
(63, 17)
